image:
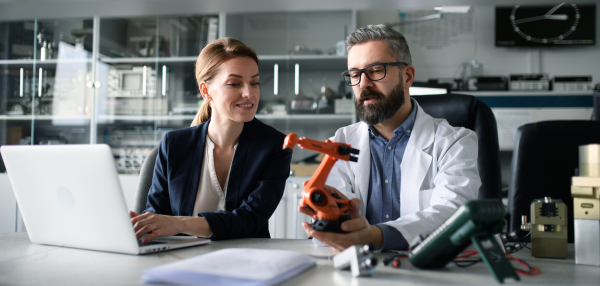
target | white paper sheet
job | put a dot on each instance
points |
(235, 266)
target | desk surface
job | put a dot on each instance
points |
(25, 263)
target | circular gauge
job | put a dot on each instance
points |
(545, 26)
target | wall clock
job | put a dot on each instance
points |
(544, 26)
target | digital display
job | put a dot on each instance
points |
(548, 25)
(132, 81)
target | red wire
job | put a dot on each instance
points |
(534, 270)
(467, 253)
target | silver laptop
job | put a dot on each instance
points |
(70, 195)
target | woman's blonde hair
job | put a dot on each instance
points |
(207, 66)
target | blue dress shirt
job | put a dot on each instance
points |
(383, 203)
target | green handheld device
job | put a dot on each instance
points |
(476, 222)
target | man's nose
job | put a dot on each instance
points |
(364, 81)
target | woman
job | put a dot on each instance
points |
(223, 177)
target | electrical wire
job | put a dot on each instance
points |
(531, 271)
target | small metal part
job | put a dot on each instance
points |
(358, 259)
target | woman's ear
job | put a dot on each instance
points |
(203, 87)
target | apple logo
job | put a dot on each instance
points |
(65, 197)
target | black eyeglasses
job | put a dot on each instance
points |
(374, 72)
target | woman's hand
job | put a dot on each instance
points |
(164, 225)
(159, 225)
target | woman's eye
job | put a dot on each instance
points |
(233, 84)
(256, 84)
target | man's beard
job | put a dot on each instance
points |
(384, 109)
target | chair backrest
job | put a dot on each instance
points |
(146, 173)
(467, 111)
(544, 161)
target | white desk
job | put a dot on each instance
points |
(24, 263)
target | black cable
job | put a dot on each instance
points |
(466, 262)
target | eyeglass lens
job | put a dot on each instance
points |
(374, 72)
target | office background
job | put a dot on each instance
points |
(283, 33)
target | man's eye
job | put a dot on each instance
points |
(354, 74)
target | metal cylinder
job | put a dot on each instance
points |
(589, 160)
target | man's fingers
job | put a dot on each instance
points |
(355, 224)
(355, 205)
(335, 240)
(333, 190)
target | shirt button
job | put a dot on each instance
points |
(389, 147)
(408, 131)
(387, 216)
(386, 181)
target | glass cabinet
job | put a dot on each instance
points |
(127, 81)
(45, 67)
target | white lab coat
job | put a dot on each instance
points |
(439, 172)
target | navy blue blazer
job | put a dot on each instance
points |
(256, 179)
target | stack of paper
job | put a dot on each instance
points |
(234, 266)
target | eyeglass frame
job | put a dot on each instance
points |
(363, 70)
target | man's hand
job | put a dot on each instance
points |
(353, 211)
(159, 225)
(359, 232)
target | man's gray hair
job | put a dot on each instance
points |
(396, 41)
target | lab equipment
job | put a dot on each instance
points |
(548, 228)
(475, 222)
(586, 206)
(358, 259)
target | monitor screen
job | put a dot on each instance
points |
(546, 25)
(132, 81)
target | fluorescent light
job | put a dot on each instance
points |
(453, 9)
(21, 84)
(297, 80)
(164, 80)
(40, 84)
(413, 90)
(144, 74)
(276, 79)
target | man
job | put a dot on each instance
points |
(413, 171)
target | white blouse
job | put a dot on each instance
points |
(210, 196)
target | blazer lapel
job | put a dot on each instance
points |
(415, 162)
(191, 190)
(236, 174)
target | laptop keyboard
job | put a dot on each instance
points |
(150, 243)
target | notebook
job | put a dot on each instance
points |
(233, 266)
(70, 195)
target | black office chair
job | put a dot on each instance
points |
(469, 112)
(544, 160)
(146, 173)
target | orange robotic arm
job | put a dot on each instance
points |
(329, 208)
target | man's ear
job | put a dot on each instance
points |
(203, 87)
(409, 76)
